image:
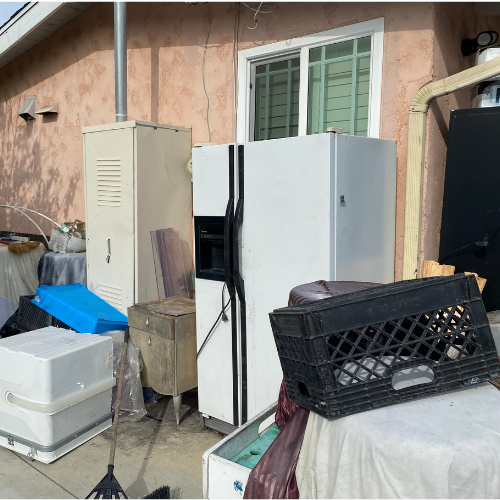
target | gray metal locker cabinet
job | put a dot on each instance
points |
(135, 182)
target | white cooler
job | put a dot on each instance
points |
(55, 391)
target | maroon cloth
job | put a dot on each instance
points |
(274, 474)
(318, 290)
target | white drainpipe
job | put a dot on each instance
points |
(417, 121)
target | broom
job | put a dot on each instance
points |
(109, 486)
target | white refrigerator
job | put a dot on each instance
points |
(269, 216)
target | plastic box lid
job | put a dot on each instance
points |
(51, 363)
(79, 308)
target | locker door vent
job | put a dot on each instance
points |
(109, 182)
(112, 295)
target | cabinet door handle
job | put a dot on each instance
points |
(108, 257)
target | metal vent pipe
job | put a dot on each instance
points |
(121, 61)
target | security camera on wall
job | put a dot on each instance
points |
(484, 39)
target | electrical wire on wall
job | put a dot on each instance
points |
(203, 76)
(235, 67)
(263, 8)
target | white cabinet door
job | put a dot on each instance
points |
(366, 209)
(109, 180)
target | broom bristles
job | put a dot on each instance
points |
(165, 492)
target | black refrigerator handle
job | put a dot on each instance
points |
(237, 223)
(239, 282)
(228, 236)
(228, 270)
(228, 226)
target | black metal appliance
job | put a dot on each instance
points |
(470, 225)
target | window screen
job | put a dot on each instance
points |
(277, 99)
(339, 85)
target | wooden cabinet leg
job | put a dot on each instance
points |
(177, 407)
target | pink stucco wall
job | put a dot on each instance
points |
(41, 162)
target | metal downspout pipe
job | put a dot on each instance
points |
(120, 61)
(417, 122)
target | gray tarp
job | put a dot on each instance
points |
(63, 269)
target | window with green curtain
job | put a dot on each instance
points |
(277, 99)
(339, 87)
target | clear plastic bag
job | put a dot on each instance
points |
(132, 405)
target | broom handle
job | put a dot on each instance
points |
(114, 430)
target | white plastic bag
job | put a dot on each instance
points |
(132, 405)
(62, 242)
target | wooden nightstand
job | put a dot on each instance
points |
(165, 331)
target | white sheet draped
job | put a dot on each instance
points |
(443, 446)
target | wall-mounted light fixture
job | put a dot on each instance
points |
(27, 111)
(484, 39)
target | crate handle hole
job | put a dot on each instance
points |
(416, 375)
(303, 389)
(254, 452)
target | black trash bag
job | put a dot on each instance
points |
(10, 327)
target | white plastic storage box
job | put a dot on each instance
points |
(227, 465)
(55, 391)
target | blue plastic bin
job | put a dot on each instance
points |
(79, 308)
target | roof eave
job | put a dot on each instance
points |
(32, 24)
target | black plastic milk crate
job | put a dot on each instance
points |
(343, 354)
(31, 317)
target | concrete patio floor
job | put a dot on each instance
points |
(150, 453)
